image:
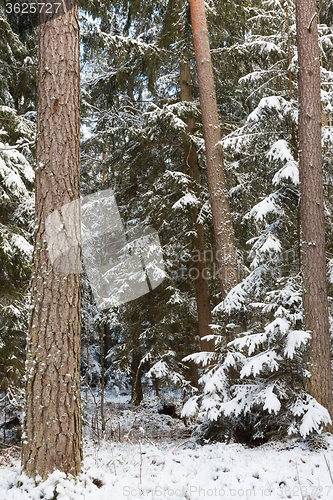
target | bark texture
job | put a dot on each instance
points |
(224, 234)
(198, 240)
(52, 424)
(312, 237)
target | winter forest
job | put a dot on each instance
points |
(166, 249)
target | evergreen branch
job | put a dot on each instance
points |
(17, 146)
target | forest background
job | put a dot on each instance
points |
(136, 140)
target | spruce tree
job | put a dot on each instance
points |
(17, 201)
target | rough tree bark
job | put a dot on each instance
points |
(198, 240)
(52, 424)
(224, 233)
(312, 238)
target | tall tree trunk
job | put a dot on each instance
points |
(108, 344)
(224, 234)
(312, 241)
(52, 424)
(198, 240)
(137, 393)
(101, 340)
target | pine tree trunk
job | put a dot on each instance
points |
(224, 234)
(108, 344)
(198, 241)
(52, 424)
(102, 376)
(137, 393)
(312, 238)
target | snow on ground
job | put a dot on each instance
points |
(157, 459)
(183, 471)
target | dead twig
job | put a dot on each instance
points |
(140, 462)
(328, 467)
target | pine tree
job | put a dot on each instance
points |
(198, 239)
(312, 236)
(52, 426)
(224, 234)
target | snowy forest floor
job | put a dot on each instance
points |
(150, 455)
